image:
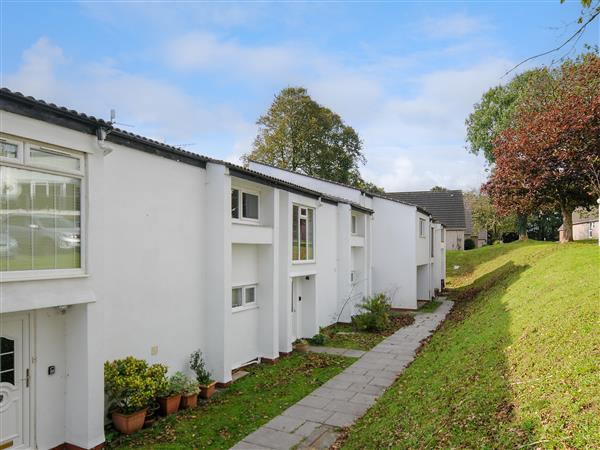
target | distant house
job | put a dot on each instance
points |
(585, 225)
(447, 207)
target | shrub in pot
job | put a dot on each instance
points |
(206, 384)
(170, 397)
(189, 396)
(130, 390)
(301, 345)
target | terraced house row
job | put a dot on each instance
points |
(112, 244)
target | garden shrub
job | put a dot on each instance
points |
(469, 244)
(376, 314)
(131, 385)
(198, 366)
(318, 339)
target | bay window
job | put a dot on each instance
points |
(40, 208)
(303, 233)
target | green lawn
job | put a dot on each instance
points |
(516, 364)
(242, 408)
(343, 335)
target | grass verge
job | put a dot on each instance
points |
(242, 408)
(516, 363)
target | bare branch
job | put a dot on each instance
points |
(579, 31)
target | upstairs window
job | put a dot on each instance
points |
(303, 233)
(422, 228)
(40, 208)
(244, 205)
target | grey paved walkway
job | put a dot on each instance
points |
(313, 422)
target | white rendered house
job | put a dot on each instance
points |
(112, 245)
(402, 263)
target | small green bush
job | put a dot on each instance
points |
(376, 314)
(469, 244)
(131, 385)
(318, 339)
(191, 387)
(176, 385)
(198, 366)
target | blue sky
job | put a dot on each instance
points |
(404, 74)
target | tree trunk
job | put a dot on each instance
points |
(522, 226)
(567, 216)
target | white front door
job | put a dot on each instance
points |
(296, 308)
(14, 381)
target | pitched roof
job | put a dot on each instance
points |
(446, 207)
(18, 103)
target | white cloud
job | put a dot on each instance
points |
(201, 51)
(154, 107)
(453, 26)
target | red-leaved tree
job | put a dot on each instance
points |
(547, 159)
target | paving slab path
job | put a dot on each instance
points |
(314, 422)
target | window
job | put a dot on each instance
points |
(9, 149)
(7, 360)
(422, 228)
(40, 212)
(353, 224)
(303, 233)
(244, 205)
(243, 296)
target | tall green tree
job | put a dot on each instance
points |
(301, 135)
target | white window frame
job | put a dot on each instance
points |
(22, 163)
(354, 224)
(422, 223)
(314, 233)
(245, 306)
(19, 145)
(241, 192)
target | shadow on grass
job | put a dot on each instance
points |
(456, 393)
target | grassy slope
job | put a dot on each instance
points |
(517, 363)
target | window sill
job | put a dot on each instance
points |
(312, 261)
(17, 277)
(245, 221)
(243, 308)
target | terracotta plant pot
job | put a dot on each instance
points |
(169, 405)
(128, 423)
(301, 347)
(189, 401)
(207, 391)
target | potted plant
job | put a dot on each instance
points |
(301, 346)
(170, 397)
(207, 385)
(151, 414)
(189, 397)
(130, 390)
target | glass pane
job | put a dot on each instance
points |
(57, 160)
(236, 297)
(235, 203)
(39, 220)
(310, 235)
(8, 377)
(249, 206)
(250, 294)
(302, 239)
(7, 361)
(8, 149)
(7, 345)
(295, 233)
